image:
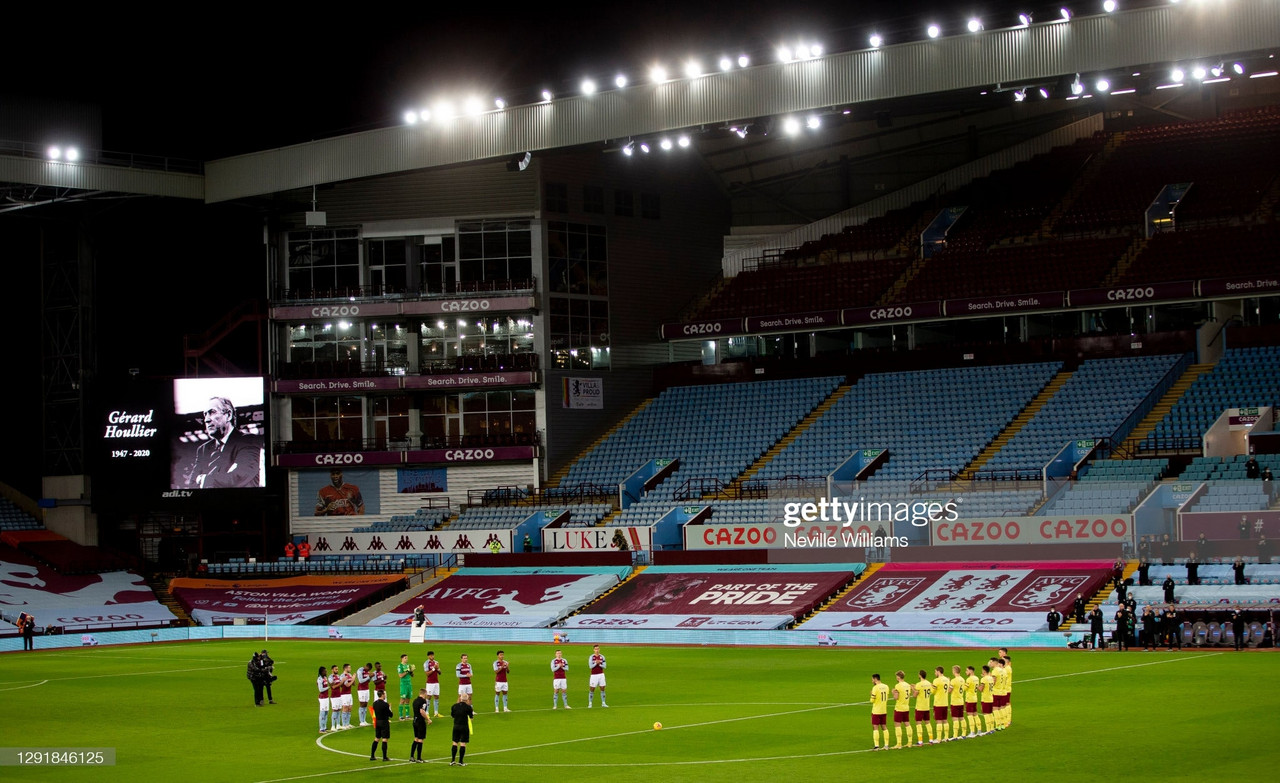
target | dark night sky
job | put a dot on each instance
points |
(240, 82)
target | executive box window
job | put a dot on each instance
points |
(338, 419)
(499, 416)
(388, 265)
(555, 197)
(324, 262)
(450, 337)
(495, 250)
(578, 260)
(337, 341)
(578, 256)
(345, 349)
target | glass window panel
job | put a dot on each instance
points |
(495, 243)
(520, 243)
(470, 246)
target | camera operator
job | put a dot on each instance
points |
(268, 666)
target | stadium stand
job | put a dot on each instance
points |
(971, 269)
(1243, 377)
(704, 427)
(14, 518)
(1094, 403)
(1108, 487)
(1205, 252)
(1230, 160)
(941, 419)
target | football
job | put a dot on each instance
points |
(657, 726)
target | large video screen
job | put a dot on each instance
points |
(176, 440)
(217, 440)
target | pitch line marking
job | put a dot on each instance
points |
(20, 687)
(705, 723)
(139, 674)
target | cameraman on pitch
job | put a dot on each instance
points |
(268, 665)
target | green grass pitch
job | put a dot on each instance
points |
(184, 712)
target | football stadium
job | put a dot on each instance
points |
(735, 415)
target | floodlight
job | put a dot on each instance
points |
(934, 31)
(876, 40)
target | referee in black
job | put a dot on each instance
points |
(462, 715)
(420, 721)
(382, 725)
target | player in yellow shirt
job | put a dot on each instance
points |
(1008, 673)
(1001, 691)
(901, 709)
(987, 686)
(940, 687)
(971, 683)
(923, 692)
(879, 712)
(957, 703)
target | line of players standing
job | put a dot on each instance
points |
(963, 705)
(334, 688)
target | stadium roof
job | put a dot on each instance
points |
(992, 60)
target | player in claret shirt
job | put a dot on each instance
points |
(596, 664)
(348, 679)
(379, 678)
(335, 699)
(879, 712)
(322, 685)
(500, 668)
(363, 676)
(432, 667)
(463, 670)
(560, 680)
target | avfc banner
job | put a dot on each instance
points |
(502, 600)
(443, 541)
